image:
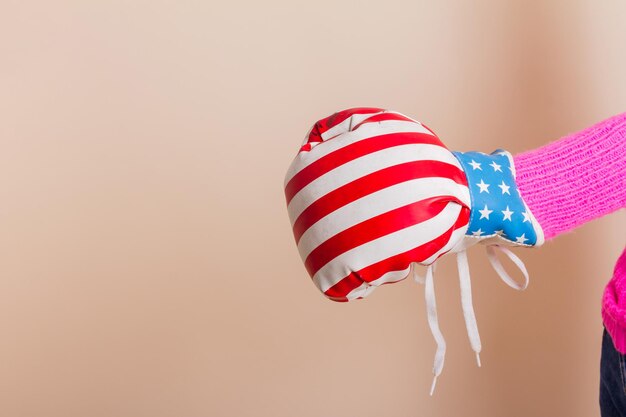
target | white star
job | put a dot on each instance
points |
(522, 238)
(507, 214)
(475, 165)
(483, 186)
(484, 213)
(505, 188)
(495, 166)
(477, 232)
(526, 217)
(499, 232)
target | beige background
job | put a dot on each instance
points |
(147, 267)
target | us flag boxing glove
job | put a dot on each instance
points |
(372, 192)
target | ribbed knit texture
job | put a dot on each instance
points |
(574, 180)
(577, 178)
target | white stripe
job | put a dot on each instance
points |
(360, 291)
(377, 203)
(369, 130)
(404, 115)
(456, 236)
(363, 166)
(347, 124)
(392, 276)
(386, 246)
(354, 120)
(366, 288)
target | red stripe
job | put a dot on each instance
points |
(340, 290)
(429, 129)
(399, 262)
(383, 117)
(342, 299)
(322, 125)
(418, 254)
(351, 152)
(374, 228)
(371, 183)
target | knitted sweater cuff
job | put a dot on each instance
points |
(577, 178)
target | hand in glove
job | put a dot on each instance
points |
(372, 192)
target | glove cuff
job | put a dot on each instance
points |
(498, 213)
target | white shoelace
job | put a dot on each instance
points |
(466, 301)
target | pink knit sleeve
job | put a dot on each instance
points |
(574, 180)
(577, 178)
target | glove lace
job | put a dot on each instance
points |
(466, 300)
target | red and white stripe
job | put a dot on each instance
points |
(371, 191)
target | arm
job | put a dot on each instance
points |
(577, 178)
(574, 180)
